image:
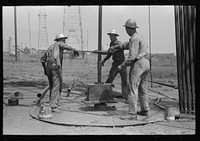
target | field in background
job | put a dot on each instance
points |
(29, 68)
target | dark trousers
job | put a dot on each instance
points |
(123, 73)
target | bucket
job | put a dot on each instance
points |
(169, 113)
(45, 111)
(13, 101)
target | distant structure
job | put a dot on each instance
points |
(29, 29)
(6, 48)
(72, 26)
(11, 45)
(42, 34)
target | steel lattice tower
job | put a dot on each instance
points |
(42, 34)
(72, 26)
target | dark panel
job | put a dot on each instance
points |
(185, 25)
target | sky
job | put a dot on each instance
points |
(161, 21)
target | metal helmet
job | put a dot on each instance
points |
(59, 36)
(113, 31)
(131, 24)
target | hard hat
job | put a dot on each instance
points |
(131, 24)
(59, 36)
(113, 31)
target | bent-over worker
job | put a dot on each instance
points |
(52, 64)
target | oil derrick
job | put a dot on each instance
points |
(42, 34)
(72, 26)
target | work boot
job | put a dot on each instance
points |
(129, 117)
(143, 113)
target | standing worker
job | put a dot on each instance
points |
(52, 64)
(139, 69)
(118, 58)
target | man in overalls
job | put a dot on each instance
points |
(52, 64)
(118, 58)
(139, 69)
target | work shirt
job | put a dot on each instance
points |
(137, 49)
(54, 54)
(118, 54)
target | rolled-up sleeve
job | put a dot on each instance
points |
(65, 46)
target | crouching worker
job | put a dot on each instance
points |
(52, 64)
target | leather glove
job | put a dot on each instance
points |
(102, 62)
(76, 53)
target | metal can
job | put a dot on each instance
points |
(169, 113)
(13, 101)
(45, 111)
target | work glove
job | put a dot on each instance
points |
(102, 62)
(76, 53)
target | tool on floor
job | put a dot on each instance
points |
(42, 94)
(13, 101)
(70, 87)
(45, 111)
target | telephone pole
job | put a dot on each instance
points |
(87, 45)
(15, 23)
(99, 43)
(150, 47)
(29, 30)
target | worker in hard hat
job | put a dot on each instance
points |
(52, 64)
(118, 58)
(139, 69)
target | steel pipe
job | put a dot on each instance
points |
(99, 43)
